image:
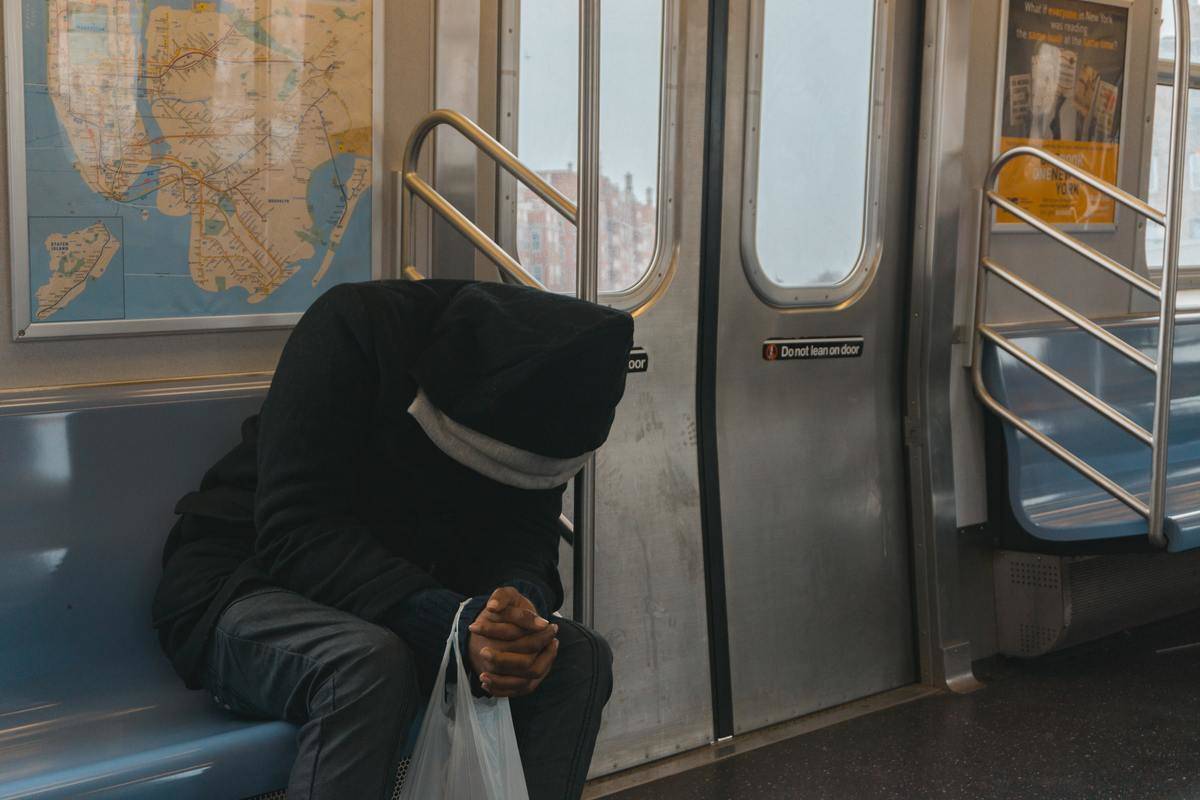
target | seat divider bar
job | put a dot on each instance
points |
(1057, 450)
(1112, 266)
(1020, 284)
(1105, 188)
(1066, 384)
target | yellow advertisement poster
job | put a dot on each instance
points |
(1064, 74)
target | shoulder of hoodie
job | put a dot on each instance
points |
(386, 320)
(373, 302)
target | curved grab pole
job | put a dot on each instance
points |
(492, 148)
(1154, 510)
(413, 184)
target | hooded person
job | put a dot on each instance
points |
(410, 456)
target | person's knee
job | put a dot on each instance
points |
(585, 655)
(604, 666)
(376, 670)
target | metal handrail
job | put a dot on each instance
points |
(1063, 382)
(1155, 510)
(1066, 312)
(1095, 256)
(413, 184)
(1099, 184)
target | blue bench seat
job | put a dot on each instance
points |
(89, 706)
(156, 743)
(1050, 501)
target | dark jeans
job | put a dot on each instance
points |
(351, 686)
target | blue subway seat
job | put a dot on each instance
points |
(1052, 502)
(89, 706)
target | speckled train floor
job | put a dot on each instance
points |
(1118, 718)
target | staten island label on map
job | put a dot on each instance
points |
(191, 163)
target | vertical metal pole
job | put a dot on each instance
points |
(588, 241)
(406, 251)
(399, 245)
(586, 264)
(981, 278)
(1170, 276)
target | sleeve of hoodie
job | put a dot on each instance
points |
(314, 422)
(525, 558)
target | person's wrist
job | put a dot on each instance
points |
(473, 608)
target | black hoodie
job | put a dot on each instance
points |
(336, 493)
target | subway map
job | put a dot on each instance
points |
(195, 157)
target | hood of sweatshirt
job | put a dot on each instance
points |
(527, 371)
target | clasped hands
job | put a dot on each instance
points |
(510, 647)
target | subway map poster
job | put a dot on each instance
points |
(188, 164)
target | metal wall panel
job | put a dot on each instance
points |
(812, 481)
(409, 96)
(952, 572)
(650, 602)
(456, 80)
(467, 79)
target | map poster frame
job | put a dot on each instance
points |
(1098, 84)
(26, 328)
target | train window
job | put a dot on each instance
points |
(1189, 247)
(812, 134)
(1166, 34)
(631, 104)
(1160, 157)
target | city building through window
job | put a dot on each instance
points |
(631, 57)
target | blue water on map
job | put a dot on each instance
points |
(149, 277)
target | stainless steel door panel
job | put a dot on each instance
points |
(650, 594)
(813, 502)
(649, 563)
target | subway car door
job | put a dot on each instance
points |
(815, 247)
(649, 563)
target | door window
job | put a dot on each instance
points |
(631, 132)
(810, 201)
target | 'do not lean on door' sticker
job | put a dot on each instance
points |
(812, 349)
(639, 361)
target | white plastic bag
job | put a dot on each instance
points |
(467, 749)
